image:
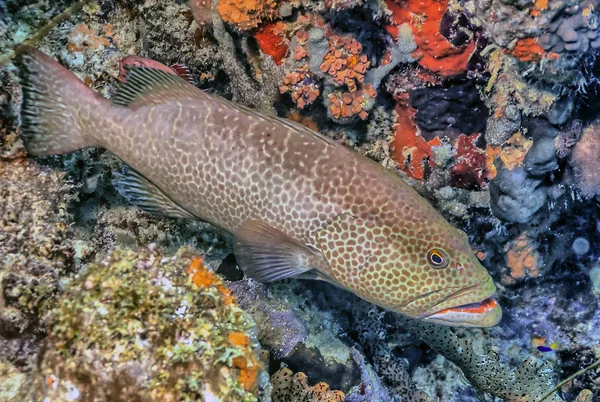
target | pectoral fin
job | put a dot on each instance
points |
(146, 195)
(267, 254)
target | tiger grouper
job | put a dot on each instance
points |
(298, 203)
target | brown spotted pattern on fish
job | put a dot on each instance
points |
(298, 203)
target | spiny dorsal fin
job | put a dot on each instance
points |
(267, 254)
(183, 71)
(149, 86)
(145, 195)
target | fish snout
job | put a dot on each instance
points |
(468, 307)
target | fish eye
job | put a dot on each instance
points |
(437, 258)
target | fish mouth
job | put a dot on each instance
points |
(483, 312)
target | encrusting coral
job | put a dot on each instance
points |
(149, 327)
(348, 104)
(302, 85)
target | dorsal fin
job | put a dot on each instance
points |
(183, 71)
(148, 86)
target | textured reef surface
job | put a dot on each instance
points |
(488, 108)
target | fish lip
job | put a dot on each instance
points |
(487, 319)
(435, 309)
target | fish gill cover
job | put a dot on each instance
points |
(488, 109)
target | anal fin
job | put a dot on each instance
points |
(146, 195)
(267, 254)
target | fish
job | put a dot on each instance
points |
(298, 204)
(548, 348)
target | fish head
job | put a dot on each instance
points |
(447, 285)
(425, 271)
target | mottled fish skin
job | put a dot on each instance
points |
(227, 165)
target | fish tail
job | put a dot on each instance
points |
(56, 107)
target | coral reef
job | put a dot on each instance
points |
(530, 381)
(487, 108)
(135, 325)
(36, 251)
(347, 104)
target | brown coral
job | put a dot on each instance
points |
(290, 387)
(247, 14)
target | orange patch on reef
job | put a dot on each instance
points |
(82, 37)
(511, 153)
(204, 278)
(434, 52)
(249, 371)
(238, 339)
(304, 120)
(409, 148)
(247, 14)
(528, 50)
(271, 40)
(201, 276)
(522, 258)
(538, 7)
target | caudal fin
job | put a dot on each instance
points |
(56, 107)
